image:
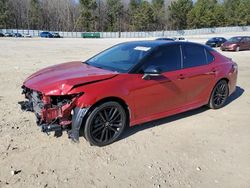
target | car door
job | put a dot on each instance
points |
(161, 93)
(199, 72)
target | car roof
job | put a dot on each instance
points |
(157, 43)
(217, 38)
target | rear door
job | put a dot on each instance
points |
(199, 72)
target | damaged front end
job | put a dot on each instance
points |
(54, 113)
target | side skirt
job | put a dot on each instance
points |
(168, 113)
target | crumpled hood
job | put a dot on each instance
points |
(60, 79)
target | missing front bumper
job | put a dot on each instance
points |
(59, 124)
(55, 115)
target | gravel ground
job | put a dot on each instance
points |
(200, 148)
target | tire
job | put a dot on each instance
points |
(237, 49)
(105, 124)
(219, 95)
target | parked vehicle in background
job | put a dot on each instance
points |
(158, 79)
(46, 34)
(237, 44)
(165, 38)
(56, 35)
(18, 35)
(216, 41)
(2, 35)
(9, 34)
(26, 35)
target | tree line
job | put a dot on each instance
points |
(122, 15)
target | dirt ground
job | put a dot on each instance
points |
(200, 148)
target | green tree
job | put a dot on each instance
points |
(178, 11)
(206, 13)
(243, 12)
(133, 6)
(35, 14)
(143, 18)
(158, 14)
(88, 16)
(114, 15)
(237, 12)
(231, 11)
(4, 13)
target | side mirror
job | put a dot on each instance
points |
(150, 72)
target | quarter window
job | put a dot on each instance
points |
(210, 57)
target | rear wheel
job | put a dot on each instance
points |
(105, 124)
(219, 95)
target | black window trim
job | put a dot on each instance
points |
(182, 58)
(138, 68)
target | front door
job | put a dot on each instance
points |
(161, 93)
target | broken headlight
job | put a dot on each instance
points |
(62, 100)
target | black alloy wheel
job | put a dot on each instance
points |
(219, 95)
(105, 124)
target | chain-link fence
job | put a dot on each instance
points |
(36, 33)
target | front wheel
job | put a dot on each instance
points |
(105, 123)
(219, 95)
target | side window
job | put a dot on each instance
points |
(194, 55)
(167, 58)
(248, 39)
(244, 39)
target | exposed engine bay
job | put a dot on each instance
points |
(54, 113)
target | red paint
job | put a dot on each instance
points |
(171, 93)
(243, 44)
(59, 79)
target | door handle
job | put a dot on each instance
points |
(213, 71)
(181, 77)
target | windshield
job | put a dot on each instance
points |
(121, 58)
(213, 39)
(235, 39)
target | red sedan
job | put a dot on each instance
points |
(236, 44)
(128, 84)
